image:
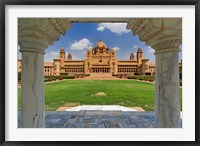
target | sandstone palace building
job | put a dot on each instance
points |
(99, 60)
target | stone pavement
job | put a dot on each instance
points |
(82, 117)
(99, 119)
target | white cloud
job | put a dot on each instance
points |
(136, 46)
(50, 56)
(81, 44)
(117, 28)
(84, 52)
(90, 47)
(150, 50)
(116, 48)
(101, 28)
(54, 54)
(76, 58)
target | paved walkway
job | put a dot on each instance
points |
(98, 117)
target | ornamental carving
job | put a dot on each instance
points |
(36, 34)
(162, 34)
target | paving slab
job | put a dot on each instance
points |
(98, 119)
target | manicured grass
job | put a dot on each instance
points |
(129, 93)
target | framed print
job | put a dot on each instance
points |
(99, 73)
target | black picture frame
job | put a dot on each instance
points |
(4, 3)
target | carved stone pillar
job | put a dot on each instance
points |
(167, 103)
(32, 110)
(34, 36)
(164, 35)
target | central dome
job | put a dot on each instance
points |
(101, 44)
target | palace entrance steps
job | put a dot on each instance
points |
(100, 75)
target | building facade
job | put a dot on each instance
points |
(99, 60)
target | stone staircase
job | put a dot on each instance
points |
(100, 76)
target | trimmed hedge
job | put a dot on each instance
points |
(138, 73)
(64, 74)
(67, 77)
(54, 78)
(51, 77)
(60, 78)
(151, 80)
(19, 76)
(87, 75)
(146, 78)
(46, 79)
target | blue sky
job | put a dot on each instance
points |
(82, 36)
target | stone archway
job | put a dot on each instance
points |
(34, 36)
(163, 35)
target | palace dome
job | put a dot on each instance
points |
(101, 44)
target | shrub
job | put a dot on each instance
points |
(49, 79)
(146, 78)
(131, 77)
(19, 76)
(46, 80)
(64, 74)
(140, 77)
(87, 75)
(151, 80)
(54, 79)
(67, 77)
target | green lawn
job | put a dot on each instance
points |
(129, 93)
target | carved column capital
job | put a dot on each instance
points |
(36, 34)
(167, 45)
(162, 34)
